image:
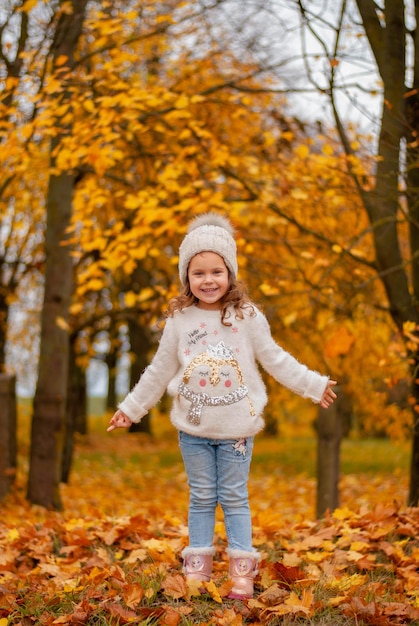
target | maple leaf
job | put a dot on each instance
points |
(347, 583)
(400, 609)
(229, 617)
(139, 554)
(342, 513)
(213, 591)
(194, 588)
(175, 586)
(225, 587)
(160, 550)
(272, 596)
(133, 594)
(357, 606)
(170, 617)
(360, 546)
(286, 575)
(97, 575)
(303, 604)
(117, 611)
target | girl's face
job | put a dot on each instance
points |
(208, 279)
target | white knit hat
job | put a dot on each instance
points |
(209, 232)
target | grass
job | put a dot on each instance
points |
(295, 454)
(299, 455)
(370, 469)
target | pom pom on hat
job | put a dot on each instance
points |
(209, 232)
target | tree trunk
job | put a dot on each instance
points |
(388, 43)
(76, 414)
(4, 313)
(140, 347)
(412, 159)
(50, 402)
(413, 497)
(77, 394)
(329, 436)
(111, 362)
(8, 446)
(396, 52)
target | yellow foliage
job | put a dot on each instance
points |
(302, 151)
(152, 145)
(28, 5)
(339, 343)
(130, 298)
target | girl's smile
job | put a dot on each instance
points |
(208, 279)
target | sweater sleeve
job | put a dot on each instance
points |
(283, 366)
(155, 378)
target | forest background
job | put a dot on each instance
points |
(121, 120)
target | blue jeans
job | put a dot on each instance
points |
(218, 472)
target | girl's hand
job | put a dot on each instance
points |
(119, 420)
(329, 395)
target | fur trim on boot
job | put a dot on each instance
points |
(197, 563)
(243, 567)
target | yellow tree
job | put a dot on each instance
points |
(159, 128)
(23, 182)
(352, 52)
(191, 140)
(140, 148)
(214, 146)
(315, 244)
(152, 147)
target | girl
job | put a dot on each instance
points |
(207, 360)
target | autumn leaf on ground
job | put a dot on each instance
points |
(229, 617)
(225, 587)
(367, 611)
(272, 596)
(124, 615)
(286, 576)
(127, 567)
(347, 583)
(175, 586)
(301, 605)
(170, 617)
(213, 591)
(277, 601)
(133, 594)
(401, 610)
(194, 588)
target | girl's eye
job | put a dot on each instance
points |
(225, 374)
(203, 374)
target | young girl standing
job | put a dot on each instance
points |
(207, 360)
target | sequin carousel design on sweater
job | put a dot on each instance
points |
(216, 367)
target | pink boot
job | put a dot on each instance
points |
(197, 563)
(242, 570)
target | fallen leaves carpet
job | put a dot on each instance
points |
(112, 555)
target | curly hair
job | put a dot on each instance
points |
(236, 296)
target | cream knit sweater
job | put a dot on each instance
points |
(211, 372)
